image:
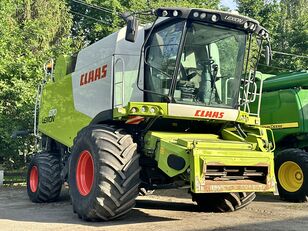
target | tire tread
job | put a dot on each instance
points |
(50, 182)
(223, 202)
(118, 178)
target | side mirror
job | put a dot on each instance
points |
(268, 55)
(131, 28)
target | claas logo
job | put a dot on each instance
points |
(209, 114)
(93, 75)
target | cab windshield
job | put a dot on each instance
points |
(209, 69)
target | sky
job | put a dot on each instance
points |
(229, 3)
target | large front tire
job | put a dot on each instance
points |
(291, 169)
(104, 173)
(223, 202)
(44, 178)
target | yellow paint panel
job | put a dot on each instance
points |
(281, 126)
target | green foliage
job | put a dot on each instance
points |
(293, 33)
(287, 21)
(94, 23)
(192, 4)
(31, 32)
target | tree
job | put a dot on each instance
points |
(31, 32)
(103, 18)
(293, 34)
(287, 22)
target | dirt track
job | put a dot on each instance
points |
(170, 210)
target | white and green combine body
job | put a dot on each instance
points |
(151, 107)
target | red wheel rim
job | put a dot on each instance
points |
(33, 179)
(85, 173)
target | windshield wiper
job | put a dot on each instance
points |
(213, 80)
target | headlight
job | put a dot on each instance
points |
(144, 109)
(134, 110)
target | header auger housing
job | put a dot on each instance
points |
(161, 106)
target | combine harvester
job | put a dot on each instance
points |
(285, 110)
(166, 107)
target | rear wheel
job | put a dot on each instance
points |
(223, 202)
(291, 168)
(44, 178)
(104, 173)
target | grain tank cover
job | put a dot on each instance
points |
(286, 80)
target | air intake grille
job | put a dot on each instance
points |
(218, 173)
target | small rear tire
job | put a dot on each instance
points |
(44, 178)
(223, 202)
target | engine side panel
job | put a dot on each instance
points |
(58, 118)
(109, 63)
(71, 101)
(92, 86)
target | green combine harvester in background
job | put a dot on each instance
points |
(284, 109)
(166, 107)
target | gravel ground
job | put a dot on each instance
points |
(164, 210)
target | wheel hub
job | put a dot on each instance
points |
(85, 173)
(33, 179)
(290, 176)
(298, 176)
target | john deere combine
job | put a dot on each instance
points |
(285, 110)
(161, 106)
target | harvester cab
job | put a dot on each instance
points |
(160, 106)
(186, 51)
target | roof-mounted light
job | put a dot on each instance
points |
(262, 32)
(252, 26)
(168, 12)
(175, 13)
(196, 14)
(203, 15)
(226, 19)
(214, 18)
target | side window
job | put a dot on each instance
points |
(160, 57)
(162, 52)
(226, 46)
(228, 71)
